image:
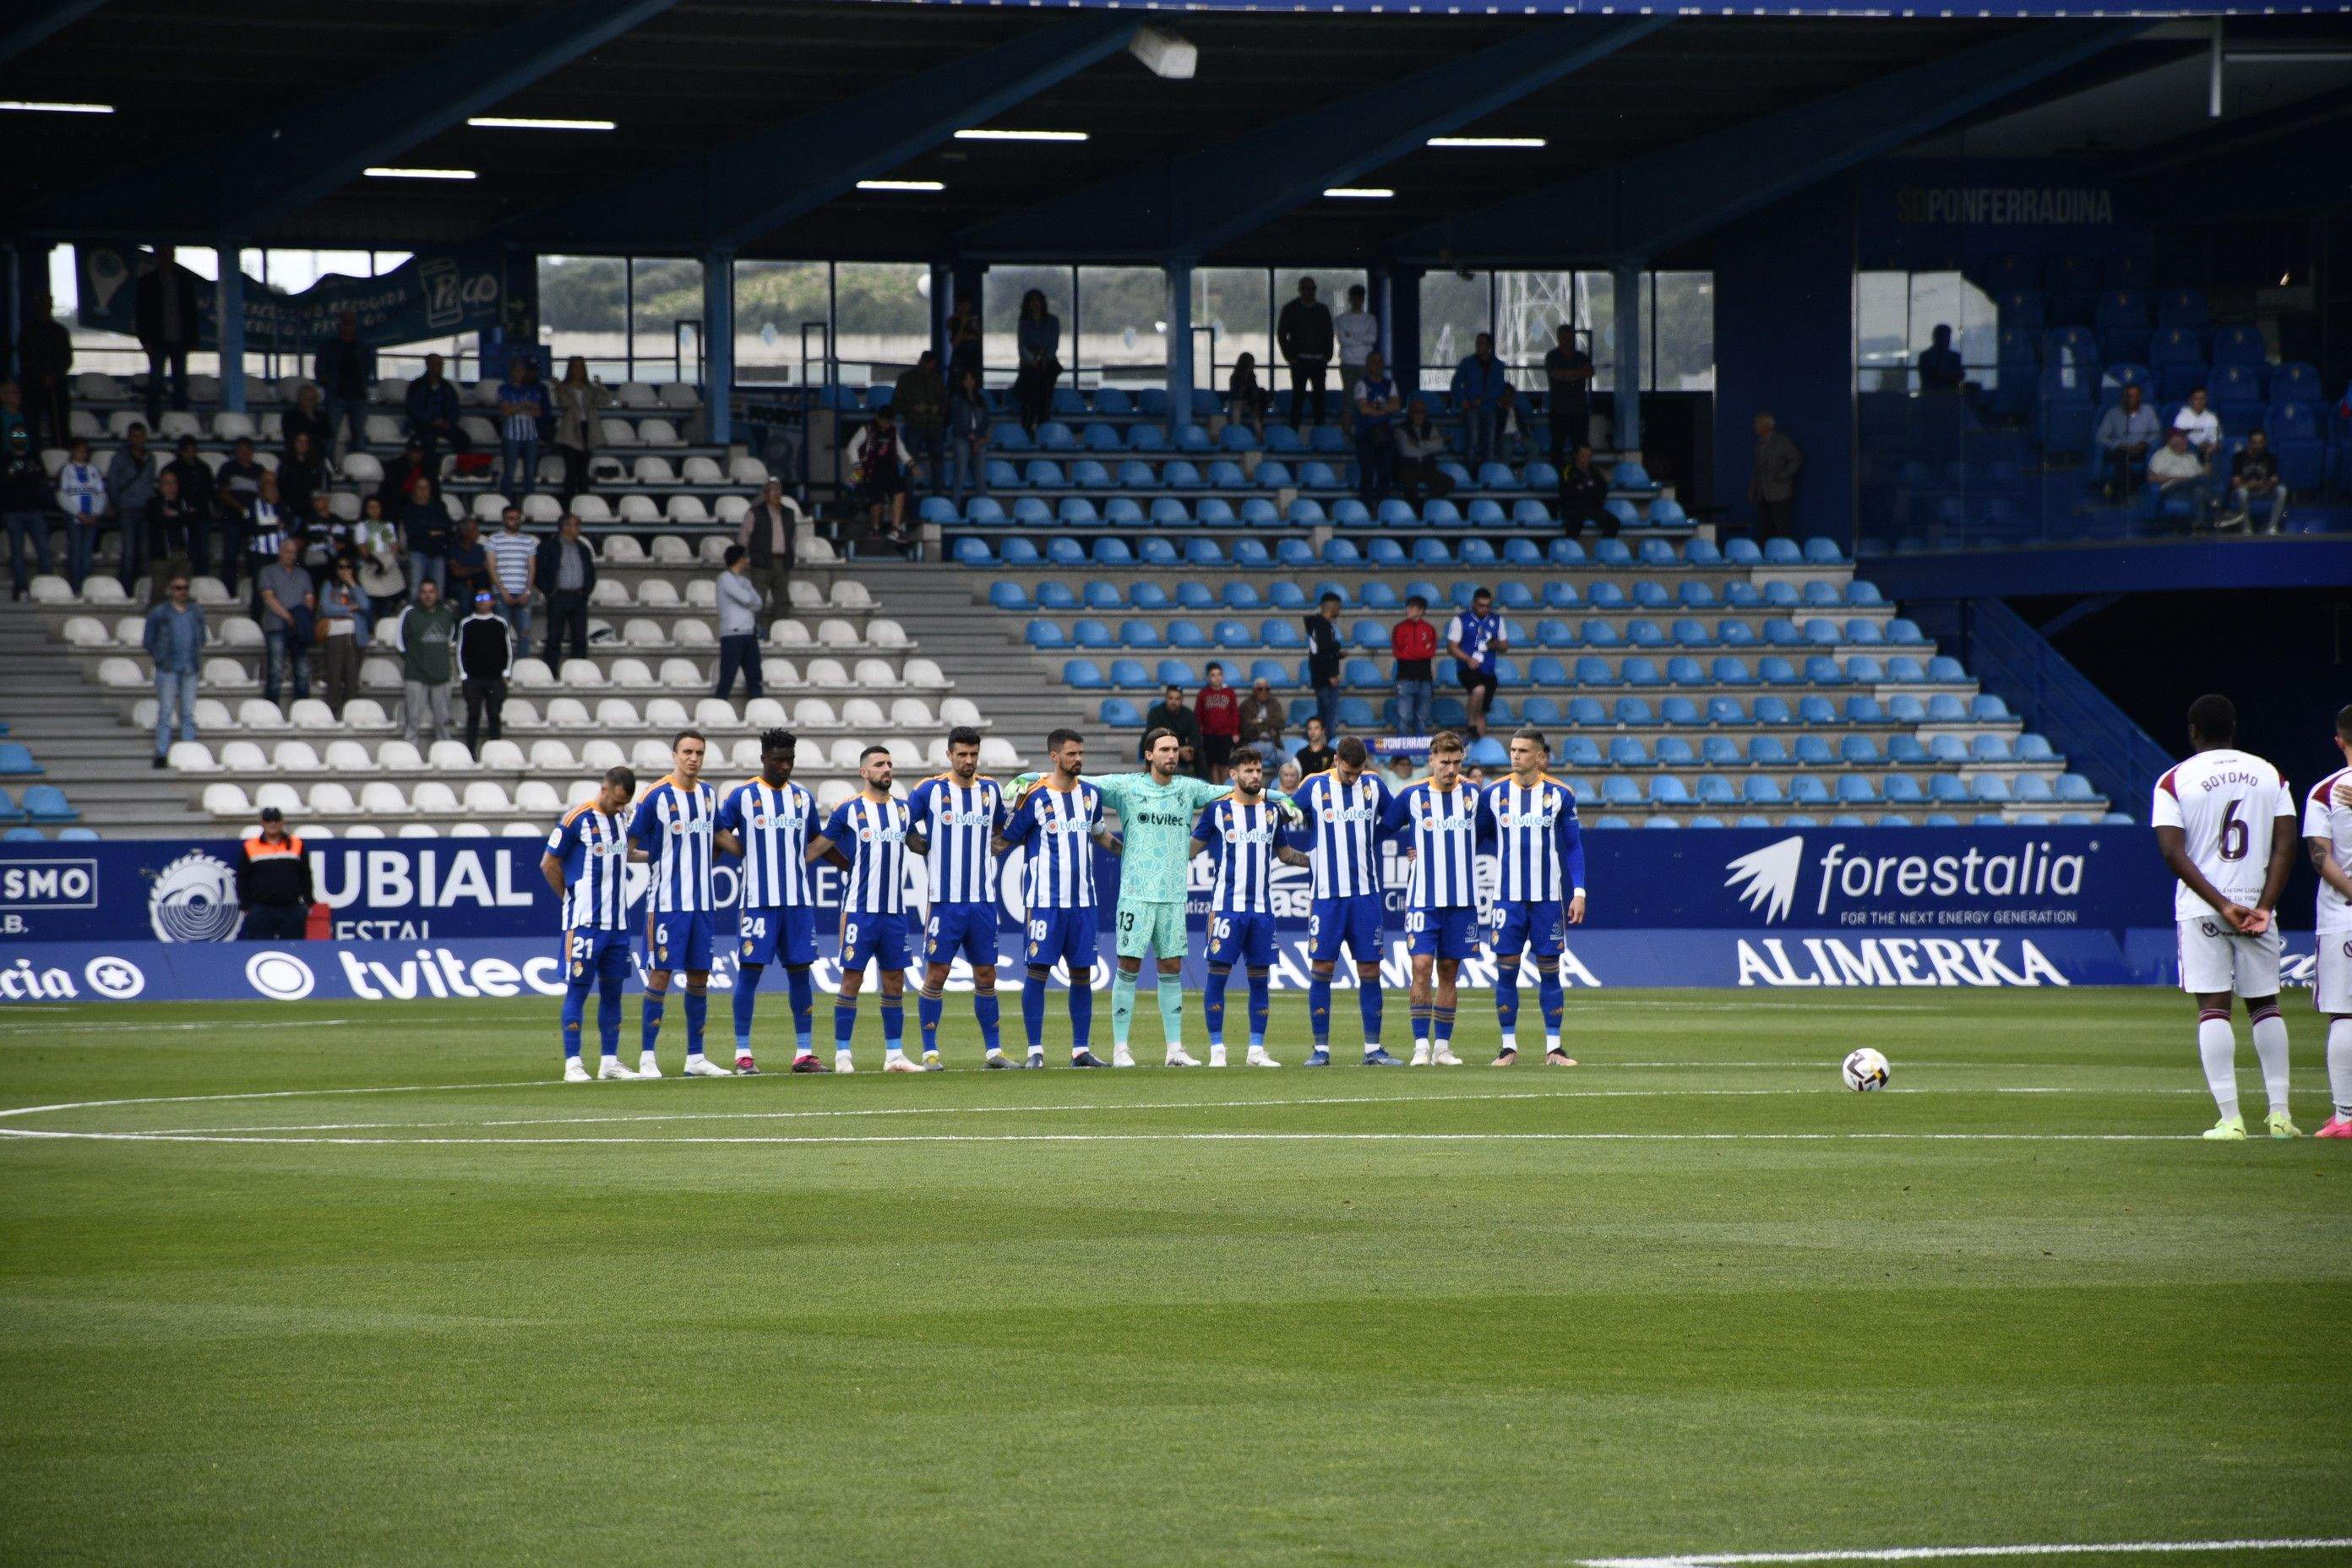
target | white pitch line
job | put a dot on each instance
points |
(1170, 1137)
(1929, 1553)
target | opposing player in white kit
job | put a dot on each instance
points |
(2327, 834)
(2217, 819)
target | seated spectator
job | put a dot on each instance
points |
(400, 476)
(486, 658)
(920, 400)
(81, 496)
(300, 474)
(345, 369)
(882, 470)
(344, 616)
(1169, 713)
(523, 410)
(1218, 711)
(2126, 434)
(739, 625)
(433, 410)
(426, 634)
(968, 424)
(424, 536)
(323, 534)
(1245, 401)
(1316, 755)
(468, 570)
(1584, 496)
(2203, 425)
(308, 419)
(194, 477)
(1939, 363)
(1290, 776)
(1377, 401)
(377, 554)
(290, 607)
(175, 638)
(172, 527)
(2178, 470)
(2254, 483)
(580, 404)
(1262, 718)
(235, 488)
(514, 555)
(1510, 424)
(770, 535)
(1420, 447)
(1479, 382)
(130, 486)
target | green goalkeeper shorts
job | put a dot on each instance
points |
(1145, 929)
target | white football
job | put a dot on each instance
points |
(1865, 1070)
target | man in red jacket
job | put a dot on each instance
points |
(1219, 710)
(1414, 643)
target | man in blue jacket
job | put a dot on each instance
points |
(174, 639)
(1477, 389)
(432, 411)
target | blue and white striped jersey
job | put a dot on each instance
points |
(872, 834)
(1058, 829)
(1538, 852)
(1342, 836)
(595, 851)
(1241, 841)
(774, 826)
(674, 826)
(956, 822)
(1444, 829)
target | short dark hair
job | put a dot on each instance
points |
(1481, 592)
(1330, 599)
(509, 506)
(735, 552)
(682, 735)
(1354, 753)
(963, 735)
(2344, 721)
(1530, 733)
(1446, 742)
(1056, 739)
(1416, 601)
(2215, 718)
(778, 740)
(1245, 754)
(1152, 737)
(627, 778)
(870, 751)
(1216, 665)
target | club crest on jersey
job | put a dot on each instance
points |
(2212, 930)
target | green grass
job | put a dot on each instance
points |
(1131, 1344)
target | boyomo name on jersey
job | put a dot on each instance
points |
(1241, 841)
(1343, 832)
(594, 851)
(774, 826)
(1444, 829)
(956, 822)
(872, 834)
(674, 827)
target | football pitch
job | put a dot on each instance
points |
(325, 1283)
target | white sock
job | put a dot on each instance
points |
(692, 1058)
(1551, 1044)
(2340, 1066)
(2217, 1043)
(1511, 1041)
(2270, 1049)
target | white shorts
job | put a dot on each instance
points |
(2216, 960)
(2331, 987)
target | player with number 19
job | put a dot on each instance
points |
(1436, 818)
(1529, 819)
(1243, 833)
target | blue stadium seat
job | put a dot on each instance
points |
(1044, 633)
(1076, 512)
(1592, 671)
(1158, 552)
(1758, 789)
(1188, 635)
(1304, 513)
(1064, 553)
(1176, 672)
(1772, 709)
(1119, 713)
(1252, 553)
(1057, 595)
(1203, 553)
(1528, 512)
(1316, 476)
(1001, 596)
(1139, 634)
(1091, 633)
(971, 551)
(1226, 475)
(1082, 674)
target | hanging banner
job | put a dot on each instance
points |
(433, 294)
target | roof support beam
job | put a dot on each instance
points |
(293, 157)
(734, 195)
(39, 20)
(1188, 207)
(1682, 192)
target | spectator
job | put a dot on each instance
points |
(344, 368)
(566, 573)
(1476, 638)
(1316, 755)
(1169, 713)
(376, 552)
(1939, 363)
(424, 536)
(1245, 400)
(2254, 481)
(164, 319)
(968, 424)
(1218, 710)
(342, 628)
(879, 459)
(198, 496)
(1510, 425)
(289, 609)
(1567, 378)
(2204, 427)
(920, 400)
(964, 331)
(523, 409)
(580, 404)
(1477, 385)
(1325, 653)
(1038, 337)
(2175, 469)
(237, 487)
(1262, 718)
(434, 410)
(266, 532)
(81, 496)
(400, 476)
(1773, 482)
(45, 354)
(1304, 334)
(739, 625)
(425, 634)
(1356, 336)
(300, 474)
(1289, 778)
(486, 658)
(1419, 449)
(1584, 496)
(2126, 434)
(1413, 643)
(24, 492)
(174, 639)
(130, 486)
(513, 554)
(273, 883)
(770, 536)
(308, 419)
(325, 535)
(467, 571)
(1376, 400)
(171, 528)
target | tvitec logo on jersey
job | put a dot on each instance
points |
(1971, 887)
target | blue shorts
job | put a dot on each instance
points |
(966, 929)
(1357, 921)
(784, 933)
(590, 955)
(1441, 933)
(678, 940)
(1062, 936)
(1246, 939)
(1520, 925)
(871, 938)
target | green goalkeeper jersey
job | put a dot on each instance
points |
(1156, 823)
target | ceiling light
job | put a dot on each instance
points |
(1021, 136)
(33, 106)
(380, 173)
(524, 122)
(1164, 54)
(901, 185)
(1362, 193)
(1490, 142)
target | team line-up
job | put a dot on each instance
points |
(962, 823)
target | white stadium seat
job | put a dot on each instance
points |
(667, 714)
(848, 593)
(703, 472)
(192, 757)
(876, 675)
(926, 673)
(553, 757)
(714, 548)
(383, 430)
(657, 433)
(789, 634)
(97, 590)
(955, 710)
(636, 394)
(617, 713)
(208, 591)
(595, 510)
(781, 672)
(380, 675)
(609, 594)
(472, 829)
(567, 715)
(601, 756)
(657, 594)
(638, 632)
(748, 470)
(417, 830)
(543, 509)
(333, 799)
(652, 470)
(529, 829)
(226, 800)
(765, 713)
(349, 757)
(400, 757)
(831, 793)
(344, 505)
(237, 632)
(244, 757)
(485, 797)
(715, 713)
(669, 550)
(997, 753)
(618, 433)
(212, 714)
(362, 468)
(905, 755)
(702, 593)
(228, 675)
(310, 713)
(815, 713)
(521, 714)
(881, 632)
(364, 830)
(433, 798)
(488, 506)
(910, 713)
(631, 674)
(680, 395)
(532, 675)
(744, 756)
(693, 635)
(449, 757)
(86, 631)
(284, 796)
(296, 757)
(677, 672)
(583, 675)
(478, 430)
(639, 508)
(260, 714)
(579, 792)
(48, 589)
(176, 425)
(828, 675)
(843, 754)
(837, 634)
(650, 757)
(538, 797)
(863, 714)
(806, 595)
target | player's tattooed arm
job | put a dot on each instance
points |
(726, 843)
(2322, 860)
(1110, 841)
(1290, 856)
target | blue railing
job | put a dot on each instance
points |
(2099, 739)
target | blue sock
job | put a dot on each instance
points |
(747, 991)
(845, 1023)
(801, 989)
(928, 1005)
(984, 1009)
(1507, 997)
(1032, 1008)
(575, 1005)
(697, 1014)
(1441, 1024)
(655, 1002)
(1368, 1003)
(1319, 1008)
(894, 1024)
(1082, 1015)
(608, 1012)
(1553, 993)
(1260, 993)
(1212, 1002)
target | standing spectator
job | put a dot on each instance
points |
(425, 634)
(1510, 425)
(376, 552)
(307, 417)
(1357, 335)
(1939, 363)
(266, 532)
(1476, 638)
(273, 883)
(1376, 400)
(174, 639)
(1219, 710)
(1262, 719)
(769, 535)
(289, 609)
(81, 496)
(1304, 333)
(580, 404)
(1773, 482)
(400, 476)
(2126, 434)
(45, 354)
(172, 528)
(968, 425)
(344, 368)
(2175, 469)
(523, 409)
(1171, 714)
(2254, 481)
(1316, 755)
(566, 572)
(1414, 642)
(197, 496)
(424, 535)
(1477, 390)
(130, 486)
(2203, 426)
(164, 319)
(485, 657)
(1245, 400)
(1567, 378)
(1420, 447)
(513, 554)
(1325, 653)
(236, 487)
(920, 400)
(432, 411)
(24, 492)
(1038, 337)
(300, 474)
(879, 460)
(342, 628)
(964, 331)
(1584, 496)
(738, 624)
(467, 571)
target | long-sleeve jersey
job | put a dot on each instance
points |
(1156, 823)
